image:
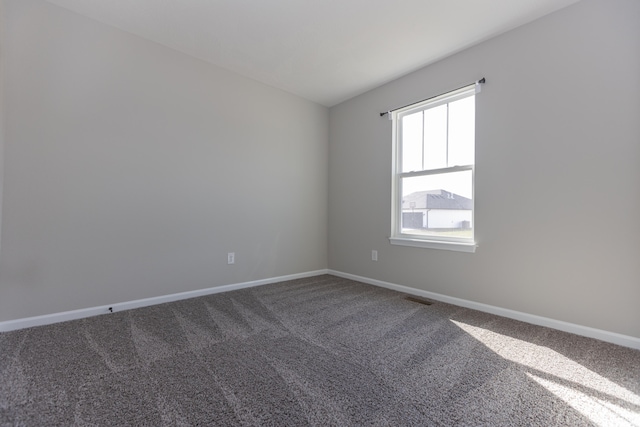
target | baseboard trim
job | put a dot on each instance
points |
(612, 337)
(47, 319)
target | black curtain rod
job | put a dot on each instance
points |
(481, 81)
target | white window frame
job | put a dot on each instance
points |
(416, 240)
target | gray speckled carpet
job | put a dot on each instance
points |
(321, 351)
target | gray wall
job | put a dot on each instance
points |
(2, 127)
(131, 169)
(557, 172)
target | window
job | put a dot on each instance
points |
(433, 177)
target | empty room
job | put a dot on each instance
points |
(314, 213)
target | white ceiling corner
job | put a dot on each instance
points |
(326, 51)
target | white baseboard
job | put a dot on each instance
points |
(12, 325)
(586, 331)
(612, 337)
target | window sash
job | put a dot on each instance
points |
(435, 171)
(398, 115)
(397, 208)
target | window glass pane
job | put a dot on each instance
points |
(435, 138)
(462, 129)
(438, 205)
(412, 142)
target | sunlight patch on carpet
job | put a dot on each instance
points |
(601, 412)
(594, 396)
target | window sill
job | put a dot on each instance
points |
(433, 244)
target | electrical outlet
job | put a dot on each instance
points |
(231, 258)
(374, 255)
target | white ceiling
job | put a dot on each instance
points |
(324, 50)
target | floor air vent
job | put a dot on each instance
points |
(419, 300)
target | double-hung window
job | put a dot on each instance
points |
(433, 172)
